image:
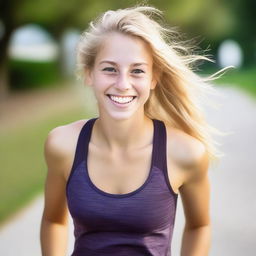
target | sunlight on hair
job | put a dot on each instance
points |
(180, 93)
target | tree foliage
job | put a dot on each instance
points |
(211, 19)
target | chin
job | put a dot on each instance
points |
(120, 116)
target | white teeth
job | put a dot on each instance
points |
(121, 99)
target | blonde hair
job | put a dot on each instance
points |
(178, 97)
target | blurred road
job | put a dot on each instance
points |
(233, 203)
(233, 190)
(25, 107)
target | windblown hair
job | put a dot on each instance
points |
(180, 92)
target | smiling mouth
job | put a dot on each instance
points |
(121, 99)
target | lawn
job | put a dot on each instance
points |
(22, 160)
(244, 79)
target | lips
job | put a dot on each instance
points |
(121, 99)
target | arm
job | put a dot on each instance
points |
(53, 231)
(195, 198)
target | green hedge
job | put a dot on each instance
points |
(26, 74)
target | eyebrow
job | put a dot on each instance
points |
(114, 64)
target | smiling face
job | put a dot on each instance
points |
(122, 76)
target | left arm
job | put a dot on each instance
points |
(195, 199)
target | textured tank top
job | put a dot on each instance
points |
(138, 223)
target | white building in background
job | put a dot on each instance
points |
(31, 42)
(69, 42)
(230, 54)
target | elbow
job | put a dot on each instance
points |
(198, 226)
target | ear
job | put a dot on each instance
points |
(153, 84)
(88, 77)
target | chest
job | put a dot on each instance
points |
(118, 172)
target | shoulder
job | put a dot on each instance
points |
(59, 138)
(60, 145)
(187, 153)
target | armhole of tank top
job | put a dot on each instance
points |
(76, 157)
(165, 167)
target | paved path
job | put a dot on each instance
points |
(233, 204)
(233, 190)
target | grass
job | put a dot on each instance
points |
(244, 79)
(22, 160)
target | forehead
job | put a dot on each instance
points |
(124, 49)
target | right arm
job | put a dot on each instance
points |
(53, 233)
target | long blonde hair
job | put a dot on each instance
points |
(180, 92)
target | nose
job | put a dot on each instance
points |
(122, 82)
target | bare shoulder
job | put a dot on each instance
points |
(184, 148)
(187, 154)
(59, 138)
(60, 145)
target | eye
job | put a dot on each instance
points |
(109, 69)
(137, 71)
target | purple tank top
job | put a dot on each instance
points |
(138, 223)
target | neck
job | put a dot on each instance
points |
(125, 134)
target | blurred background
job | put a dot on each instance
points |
(39, 91)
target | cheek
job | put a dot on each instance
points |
(144, 86)
(104, 80)
(98, 82)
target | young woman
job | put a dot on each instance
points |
(120, 174)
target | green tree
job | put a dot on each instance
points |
(212, 20)
(245, 27)
(54, 15)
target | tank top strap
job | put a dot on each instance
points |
(82, 143)
(159, 145)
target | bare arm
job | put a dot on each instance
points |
(195, 199)
(54, 220)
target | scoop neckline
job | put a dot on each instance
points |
(102, 192)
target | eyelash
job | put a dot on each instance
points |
(110, 69)
(140, 71)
